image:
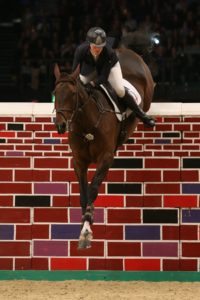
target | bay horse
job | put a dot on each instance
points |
(94, 131)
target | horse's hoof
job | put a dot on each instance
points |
(82, 244)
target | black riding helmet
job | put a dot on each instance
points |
(96, 36)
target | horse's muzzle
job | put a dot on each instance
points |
(61, 127)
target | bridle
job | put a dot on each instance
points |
(73, 110)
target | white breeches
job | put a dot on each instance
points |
(115, 79)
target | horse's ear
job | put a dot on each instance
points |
(56, 71)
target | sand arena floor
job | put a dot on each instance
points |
(98, 290)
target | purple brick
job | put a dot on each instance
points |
(191, 216)
(6, 232)
(50, 188)
(75, 215)
(65, 231)
(191, 188)
(160, 249)
(162, 141)
(14, 153)
(142, 232)
(50, 248)
(51, 141)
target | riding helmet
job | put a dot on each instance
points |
(96, 36)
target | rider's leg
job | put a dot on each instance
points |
(116, 80)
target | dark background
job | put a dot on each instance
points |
(36, 34)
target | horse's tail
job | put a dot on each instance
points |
(140, 41)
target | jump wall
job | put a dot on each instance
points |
(147, 214)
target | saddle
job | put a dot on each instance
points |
(120, 109)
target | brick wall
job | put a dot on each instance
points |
(147, 214)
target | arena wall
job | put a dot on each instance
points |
(147, 214)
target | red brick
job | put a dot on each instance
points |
(15, 188)
(191, 119)
(24, 134)
(32, 175)
(195, 127)
(14, 162)
(171, 232)
(181, 153)
(97, 249)
(188, 232)
(43, 119)
(6, 147)
(124, 216)
(180, 265)
(152, 201)
(43, 147)
(49, 127)
(6, 200)
(23, 147)
(40, 231)
(182, 127)
(53, 154)
(33, 127)
(5, 175)
(23, 264)
(189, 175)
(142, 264)
(2, 127)
(14, 248)
(38, 263)
(134, 201)
(63, 175)
(191, 249)
(143, 176)
(162, 163)
(164, 127)
(115, 176)
(14, 215)
(23, 232)
(108, 232)
(106, 264)
(23, 119)
(124, 249)
(61, 201)
(172, 119)
(43, 134)
(6, 119)
(169, 176)
(191, 134)
(75, 201)
(50, 215)
(6, 264)
(7, 134)
(162, 188)
(163, 153)
(180, 201)
(51, 163)
(109, 201)
(171, 147)
(68, 263)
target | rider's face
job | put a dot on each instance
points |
(95, 50)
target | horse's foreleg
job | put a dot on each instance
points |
(86, 233)
(101, 171)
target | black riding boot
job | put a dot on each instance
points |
(130, 102)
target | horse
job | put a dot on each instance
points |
(94, 131)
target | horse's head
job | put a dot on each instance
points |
(66, 100)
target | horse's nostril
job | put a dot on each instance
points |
(61, 128)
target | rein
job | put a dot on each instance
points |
(77, 106)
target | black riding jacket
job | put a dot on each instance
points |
(106, 60)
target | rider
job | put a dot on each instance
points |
(99, 64)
